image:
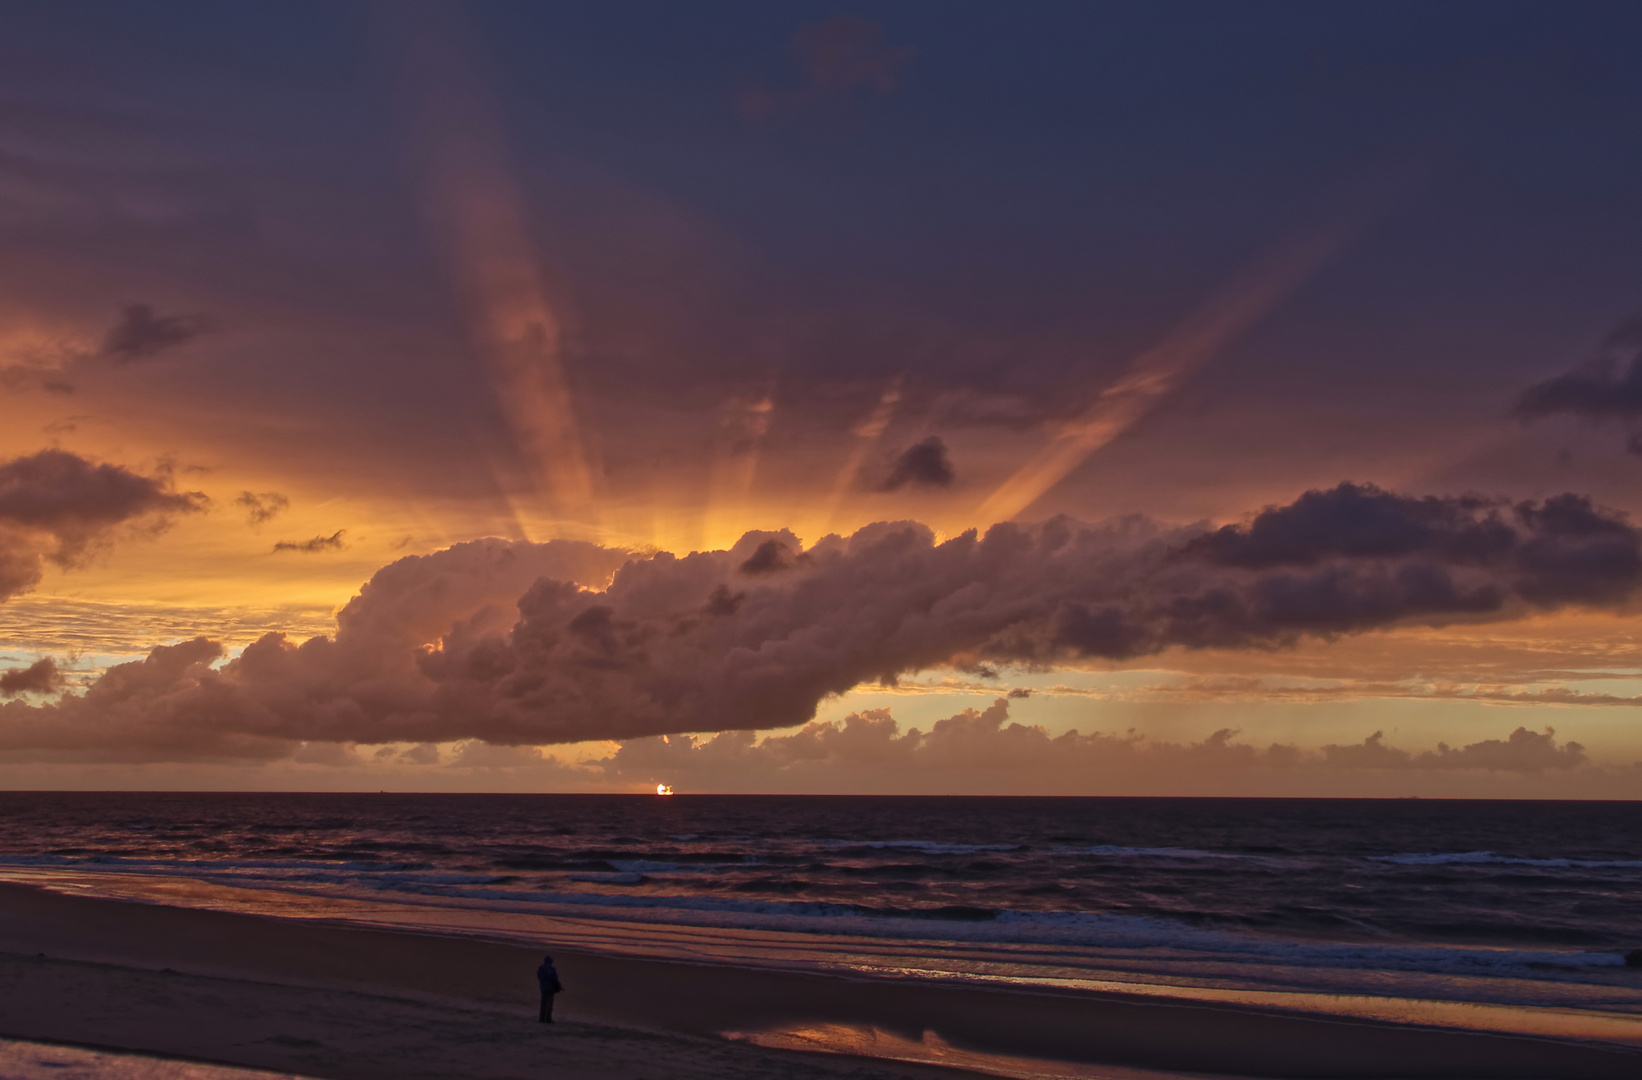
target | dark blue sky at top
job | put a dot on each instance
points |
(1068, 135)
(1055, 182)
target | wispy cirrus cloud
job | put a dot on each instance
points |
(75, 626)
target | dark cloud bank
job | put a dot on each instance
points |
(60, 508)
(869, 751)
(496, 640)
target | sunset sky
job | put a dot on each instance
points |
(1251, 389)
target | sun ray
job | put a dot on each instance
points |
(478, 211)
(743, 423)
(866, 435)
(1159, 371)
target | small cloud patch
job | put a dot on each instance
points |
(924, 464)
(143, 333)
(40, 677)
(332, 542)
(261, 508)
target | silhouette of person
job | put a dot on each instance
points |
(548, 977)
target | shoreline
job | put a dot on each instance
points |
(1596, 1007)
(670, 998)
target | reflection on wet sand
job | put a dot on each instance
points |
(932, 1049)
(21, 1060)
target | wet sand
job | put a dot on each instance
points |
(22, 1060)
(336, 1001)
(343, 1035)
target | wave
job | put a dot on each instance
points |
(125, 863)
(1085, 930)
(1488, 857)
(269, 870)
(925, 847)
(1105, 933)
(1118, 851)
(647, 866)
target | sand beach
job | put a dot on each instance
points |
(319, 998)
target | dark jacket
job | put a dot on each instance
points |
(548, 976)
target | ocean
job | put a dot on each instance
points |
(1361, 903)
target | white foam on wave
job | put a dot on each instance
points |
(608, 898)
(1095, 930)
(1087, 930)
(1016, 943)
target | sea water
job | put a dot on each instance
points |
(1481, 905)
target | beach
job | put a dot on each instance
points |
(322, 1002)
(320, 998)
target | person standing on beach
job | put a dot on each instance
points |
(548, 977)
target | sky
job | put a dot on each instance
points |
(1086, 398)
